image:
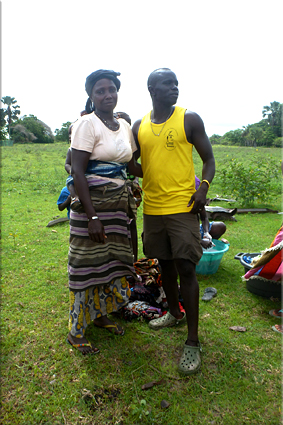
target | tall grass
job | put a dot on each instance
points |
(45, 381)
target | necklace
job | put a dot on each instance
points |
(162, 126)
(111, 127)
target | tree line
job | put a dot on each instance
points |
(29, 129)
(266, 132)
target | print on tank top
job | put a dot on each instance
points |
(170, 139)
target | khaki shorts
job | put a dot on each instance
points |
(173, 236)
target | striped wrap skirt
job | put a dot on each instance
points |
(97, 272)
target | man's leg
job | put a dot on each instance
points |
(170, 285)
(190, 293)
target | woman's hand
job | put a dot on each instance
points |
(96, 231)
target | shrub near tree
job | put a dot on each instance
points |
(62, 134)
(31, 129)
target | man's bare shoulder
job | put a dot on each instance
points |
(193, 125)
(192, 117)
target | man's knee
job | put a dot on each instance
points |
(168, 267)
(185, 268)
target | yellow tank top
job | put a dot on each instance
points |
(167, 164)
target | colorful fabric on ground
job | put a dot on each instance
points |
(269, 266)
(94, 302)
(91, 263)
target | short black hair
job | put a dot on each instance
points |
(154, 76)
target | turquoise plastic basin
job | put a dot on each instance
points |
(211, 258)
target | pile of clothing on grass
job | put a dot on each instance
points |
(148, 299)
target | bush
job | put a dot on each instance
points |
(21, 134)
(257, 182)
(277, 143)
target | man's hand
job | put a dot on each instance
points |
(199, 200)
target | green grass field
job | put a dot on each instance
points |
(45, 381)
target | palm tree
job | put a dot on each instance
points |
(12, 111)
(274, 116)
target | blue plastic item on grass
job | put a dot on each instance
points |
(211, 258)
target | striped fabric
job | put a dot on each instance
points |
(112, 170)
(91, 263)
(269, 266)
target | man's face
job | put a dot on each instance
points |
(166, 89)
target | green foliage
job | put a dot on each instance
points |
(22, 135)
(257, 182)
(274, 117)
(140, 411)
(234, 137)
(3, 130)
(214, 139)
(62, 134)
(11, 112)
(36, 130)
(277, 143)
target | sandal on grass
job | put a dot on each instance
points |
(209, 293)
(113, 329)
(166, 321)
(278, 328)
(87, 344)
(190, 360)
(276, 313)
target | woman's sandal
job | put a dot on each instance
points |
(112, 329)
(88, 344)
(278, 328)
(190, 361)
(276, 313)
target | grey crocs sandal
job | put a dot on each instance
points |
(190, 360)
(166, 321)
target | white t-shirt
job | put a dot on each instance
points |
(91, 135)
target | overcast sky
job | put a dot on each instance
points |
(227, 55)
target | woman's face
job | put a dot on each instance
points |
(104, 95)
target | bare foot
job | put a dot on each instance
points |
(113, 328)
(82, 344)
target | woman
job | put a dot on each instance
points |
(100, 254)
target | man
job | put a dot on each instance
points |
(166, 137)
